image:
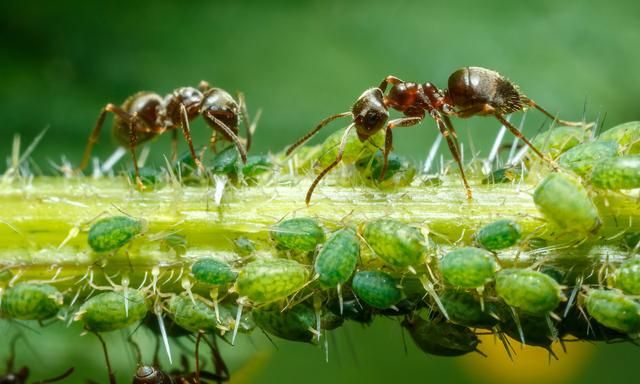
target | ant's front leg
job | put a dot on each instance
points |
(388, 138)
(389, 80)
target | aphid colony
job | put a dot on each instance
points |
(313, 280)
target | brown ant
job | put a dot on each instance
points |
(151, 374)
(471, 91)
(146, 115)
(20, 377)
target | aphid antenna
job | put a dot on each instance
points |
(168, 280)
(15, 277)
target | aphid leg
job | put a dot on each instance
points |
(389, 80)
(426, 284)
(112, 376)
(343, 144)
(317, 129)
(388, 138)
(231, 134)
(317, 307)
(554, 118)
(520, 136)
(95, 134)
(186, 131)
(447, 131)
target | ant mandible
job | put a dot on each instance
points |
(20, 377)
(471, 91)
(146, 115)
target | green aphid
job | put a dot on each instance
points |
(256, 165)
(111, 233)
(468, 267)
(26, 301)
(299, 234)
(295, 324)
(621, 172)
(627, 135)
(631, 239)
(175, 242)
(627, 277)
(184, 165)
(614, 310)
(149, 176)
(225, 161)
(499, 235)
(563, 200)
(396, 243)
(244, 246)
(581, 158)
(353, 151)
(530, 291)
(376, 288)
(228, 313)
(192, 316)
(558, 140)
(338, 257)
(465, 309)
(400, 170)
(110, 311)
(441, 338)
(504, 175)
(263, 281)
(212, 271)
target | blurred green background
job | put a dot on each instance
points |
(300, 61)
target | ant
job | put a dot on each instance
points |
(472, 91)
(20, 377)
(146, 115)
(150, 374)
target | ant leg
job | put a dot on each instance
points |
(389, 80)
(174, 145)
(133, 142)
(233, 136)
(63, 376)
(533, 104)
(112, 376)
(343, 144)
(449, 133)
(317, 129)
(388, 138)
(12, 353)
(184, 121)
(95, 134)
(245, 119)
(197, 356)
(520, 136)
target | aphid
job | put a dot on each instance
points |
(441, 338)
(225, 162)
(400, 170)
(26, 301)
(149, 176)
(617, 173)
(378, 289)
(244, 246)
(627, 135)
(505, 175)
(338, 257)
(627, 277)
(614, 310)
(396, 243)
(267, 280)
(192, 315)
(352, 309)
(468, 267)
(298, 234)
(175, 242)
(471, 91)
(583, 157)
(584, 327)
(111, 233)
(295, 324)
(21, 376)
(530, 291)
(107, 312)
(146, 115)
(466, 309)
(562, 199)
(631, 240)
(558, 140)
(212, 271)
(499, 235)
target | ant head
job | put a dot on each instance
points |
(369, 113)
(219, 104)
(146, 374)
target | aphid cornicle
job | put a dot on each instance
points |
(472, 91)
(146, 115)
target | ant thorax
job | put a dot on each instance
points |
(189, 97)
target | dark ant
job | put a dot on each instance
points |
(146, 115)
(472, 91)
(151, 374)
(20, 377)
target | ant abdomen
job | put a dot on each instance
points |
(471, 88)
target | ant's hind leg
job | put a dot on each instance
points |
(520, 136)
(449, 133)
(343, 144)
(95, 133)
(566, 123)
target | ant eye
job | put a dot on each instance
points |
(371, 119)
